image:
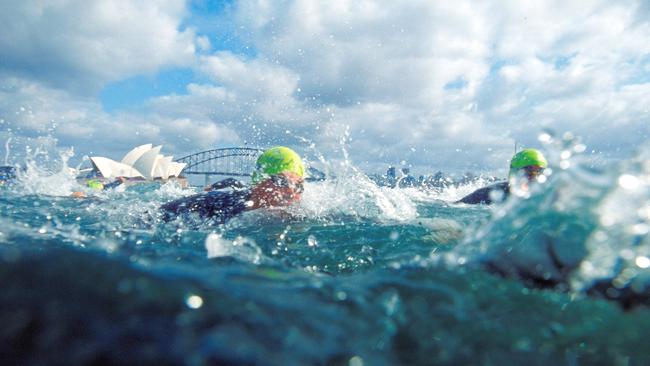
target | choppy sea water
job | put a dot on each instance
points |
(353, 275)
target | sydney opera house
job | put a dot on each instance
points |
(143, 163)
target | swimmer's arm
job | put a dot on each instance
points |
(485, 194)
(480, 196)
(115, 183)
(226, 183)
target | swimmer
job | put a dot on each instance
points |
(528, 162)
(276, 182)
(96, 184)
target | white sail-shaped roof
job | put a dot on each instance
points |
(147, 162)
(143, 161)
(132, 156)
(175, 169)
(111, 169)
(162, 167)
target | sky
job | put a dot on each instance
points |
(436, 85)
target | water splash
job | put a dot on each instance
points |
(241, 248)
(348, 192)
(581, 225)
(7, 150)
(47, 172)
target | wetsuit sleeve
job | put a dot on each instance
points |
(218, 206)
(485, 195)
(227, 183)
(113, 184)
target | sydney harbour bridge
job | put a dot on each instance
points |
(232, 162)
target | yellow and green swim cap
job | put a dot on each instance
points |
(526, 158)
(277, 160)
(95, 184)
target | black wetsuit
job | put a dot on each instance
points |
(218, 206)
(487, 195)
(228, 183)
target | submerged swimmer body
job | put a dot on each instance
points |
(529, 162)
(219, 206)
(543, 254)
(277, 182)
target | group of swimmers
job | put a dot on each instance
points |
(278, 181)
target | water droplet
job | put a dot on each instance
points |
(640, 229)
(311, 241)
(565, 154)
(642, 262)
(394, 235)
(194, 301)
(544, 137)
(628, 181)
(355, 361)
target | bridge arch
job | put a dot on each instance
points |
(231, 161)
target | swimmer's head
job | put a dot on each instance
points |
(278, 160)
(95, 184)
(528, 162)
(277, 190)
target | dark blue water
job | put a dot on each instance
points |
(354, 275)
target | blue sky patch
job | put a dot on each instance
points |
(135, 90)
(459, 83)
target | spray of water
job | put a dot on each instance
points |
(7, 150)
(47, 172)
(580, 225)
(349, 193)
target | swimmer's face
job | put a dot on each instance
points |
(278, 190)
(521, 178)
(532, 172)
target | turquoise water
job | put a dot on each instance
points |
(353, 275)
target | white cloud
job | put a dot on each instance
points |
(463, 76)
(31, 109)
(443, 85)
(80, 44)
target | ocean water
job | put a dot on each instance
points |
(353, 275)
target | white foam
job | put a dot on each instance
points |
(241, 248)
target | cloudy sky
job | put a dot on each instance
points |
(436, 84)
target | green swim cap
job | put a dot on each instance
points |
(528, 157)
(94, 184)
(277, 160)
